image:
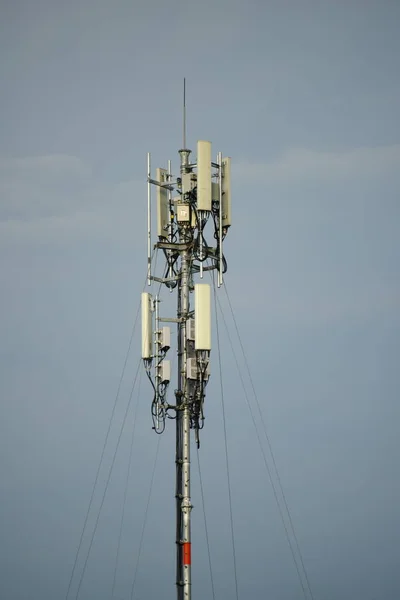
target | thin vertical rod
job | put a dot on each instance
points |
(184, 113)
(220, 281)
(148, 219)
(201, 243)
(170, 224)
(157, 347)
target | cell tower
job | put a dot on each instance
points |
(188, 207)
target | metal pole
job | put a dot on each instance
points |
(157, 359)
(148, 219)
(170, 222)
(220, 270)
(184, 112)
(183, 502)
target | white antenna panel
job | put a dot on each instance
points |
(202, 311)
(193, 371)
(162, 204)
(147, 328)
(203, 175)
(190, 330)
(215, 191)
(191, 368)
(165, 342)
(164, 371)
(226, 192)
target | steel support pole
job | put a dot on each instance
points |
(183, 501)
(183, 447)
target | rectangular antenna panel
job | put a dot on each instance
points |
(147, 329)
(164, 371)
(191, 368)
(226, 192)
(162, 204)
(193, 372)
(165, 340)
(190, 329)
(188, 181)
(215, 191)
(203, 175)
(202, 312)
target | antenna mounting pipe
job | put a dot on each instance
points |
(148, 219)
(220, 280)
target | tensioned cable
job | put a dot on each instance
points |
(265, 459)
(128, 477)
(129, 465)
(225, 442)
(205, 524)
(145, 516)
(108, 480)
(102, 453)
(116, 449)
(104, 445)
(126, 488)
(269, 446)
(147, 506)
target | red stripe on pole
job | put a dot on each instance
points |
(187, 553)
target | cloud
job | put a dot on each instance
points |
(57, 198)
(54, 164)
(297, 164)
(42, 186)
(302, 306)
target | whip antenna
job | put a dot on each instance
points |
(184, 112)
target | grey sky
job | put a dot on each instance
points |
(304, 96)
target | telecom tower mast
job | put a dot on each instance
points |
(188, 207)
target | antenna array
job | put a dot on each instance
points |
(190, 207)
